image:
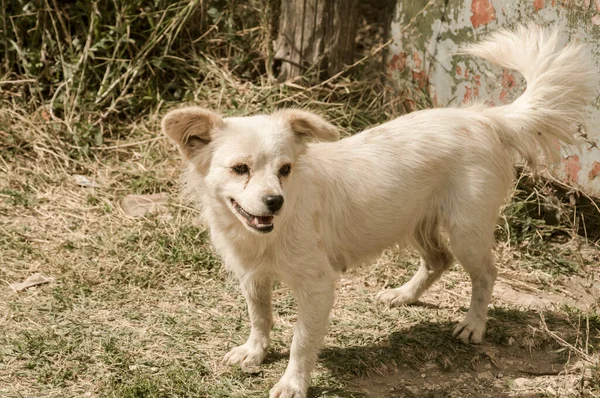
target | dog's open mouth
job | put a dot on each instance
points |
(259, 223)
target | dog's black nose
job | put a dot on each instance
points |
(274, 202)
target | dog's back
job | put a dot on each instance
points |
(452, 165)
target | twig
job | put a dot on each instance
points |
(518, 282)
(583, 355)
(5, 34)
(20, 81)
(546, 373)
(51, 106)
(62, 22)
(213, 27)
(61, 55)
(84, 57)
(128, 145)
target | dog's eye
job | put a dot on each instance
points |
(285, 170)
(241, 169)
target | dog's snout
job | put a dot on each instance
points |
(274, 202)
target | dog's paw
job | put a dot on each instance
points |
(397, 297)
(249, 357)
(470, 331)
(288, 389)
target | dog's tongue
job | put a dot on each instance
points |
(262, 220)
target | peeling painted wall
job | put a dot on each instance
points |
(426, 33)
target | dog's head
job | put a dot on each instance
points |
(246, 163)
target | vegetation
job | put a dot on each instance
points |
(140, 307)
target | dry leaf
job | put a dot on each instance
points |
(32, 280)
(140, 205)
(83, 181)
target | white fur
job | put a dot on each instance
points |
(398, 183)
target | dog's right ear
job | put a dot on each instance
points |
(192, 129)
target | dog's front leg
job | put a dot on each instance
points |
(251, 354)
(315, 299)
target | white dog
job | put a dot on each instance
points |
(282, 209)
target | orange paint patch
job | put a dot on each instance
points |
(468, 95)
(508, 82)
(538, 4)
(420, 78)
(572, 167)
(409, 105)
(458, 70)
(398, 61)
(483, 12)
(417, 59)
(508, 79)
(393, 64)
(595, 171)
(478, 80)
(504, 96)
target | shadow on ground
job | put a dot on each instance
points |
(425, 361)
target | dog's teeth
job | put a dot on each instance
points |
(258, 222)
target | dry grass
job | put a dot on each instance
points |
(142, 308)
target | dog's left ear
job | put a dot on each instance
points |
(307, 125)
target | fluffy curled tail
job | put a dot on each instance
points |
(560, 84)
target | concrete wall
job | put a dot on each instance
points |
(427, 32)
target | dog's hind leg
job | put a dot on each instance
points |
(252, 353)
(472, 246)
(435, 259)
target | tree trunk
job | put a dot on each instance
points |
(316, 36)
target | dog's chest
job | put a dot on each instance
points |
(246, 255)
